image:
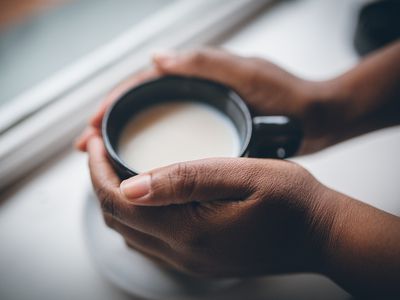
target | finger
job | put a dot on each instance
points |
(117, 92)
(157, 260)
(100, 168)
(213, 64)
(201, 180)
(81, 142)
(104, 179)
(161, 222)
(151, 246)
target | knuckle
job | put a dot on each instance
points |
(192, 266)
(129, 244)
(108, 220)
(194, 241)
(183, 180)
(297, 170)
(197, 57)
(255, 60)
(106, 198)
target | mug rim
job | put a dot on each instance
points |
(231, 94)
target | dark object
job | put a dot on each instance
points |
(378, 25)
(269, 136)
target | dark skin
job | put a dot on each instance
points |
(247, 217)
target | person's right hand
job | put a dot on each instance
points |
(229, 217)
(267, 89)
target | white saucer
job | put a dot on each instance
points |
(135, 273)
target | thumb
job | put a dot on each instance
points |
(213, 64)
(201, 180)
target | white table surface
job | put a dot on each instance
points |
(42, 249)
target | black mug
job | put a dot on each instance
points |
(260, 136)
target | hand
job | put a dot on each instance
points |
(246, 217)
(267, 89)
(219, 217)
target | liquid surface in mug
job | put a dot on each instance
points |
(177, 131)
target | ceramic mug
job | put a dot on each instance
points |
(260, 136)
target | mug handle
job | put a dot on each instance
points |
(275, 137)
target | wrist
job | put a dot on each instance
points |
(326, 113)
(326, 218)
(360, 247)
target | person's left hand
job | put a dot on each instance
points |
(219, 217)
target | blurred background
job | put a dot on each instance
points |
(58, 58)
(40, 37)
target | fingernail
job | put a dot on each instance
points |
(136, 187)
(164, 57)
